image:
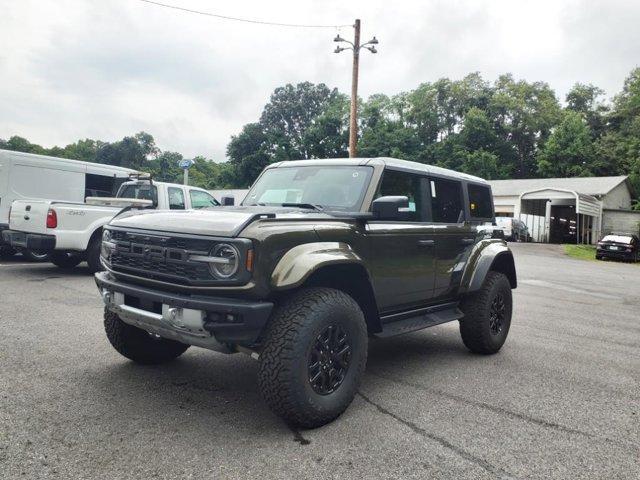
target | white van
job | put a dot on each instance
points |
(39, 177)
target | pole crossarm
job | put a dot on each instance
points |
(355, 47)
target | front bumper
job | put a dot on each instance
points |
(204, 321)
(30, 241)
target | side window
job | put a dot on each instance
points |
(99, 185)
(200, 199)
(480, 203)
(176, 198)
(405, 184)
(446, 200)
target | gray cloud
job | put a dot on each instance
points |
(71, 69)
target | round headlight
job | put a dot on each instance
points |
(226, 260)
(106, 236)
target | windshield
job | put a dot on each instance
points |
(618, 239)
(329, 187)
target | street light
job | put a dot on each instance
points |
(355, 47)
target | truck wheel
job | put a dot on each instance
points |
(137, 344)
(35, 255)
(487, 315)
(65, 260)
(93, 255)
(314, 355)
(6, 251)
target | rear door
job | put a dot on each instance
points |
(453, 235)
(401, 254)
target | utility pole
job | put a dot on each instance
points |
(353, 118)
(355, 47)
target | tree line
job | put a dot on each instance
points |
(502, 129)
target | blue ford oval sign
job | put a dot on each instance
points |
(185, 163)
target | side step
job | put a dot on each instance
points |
(419, 322)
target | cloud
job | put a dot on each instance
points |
(73, 69)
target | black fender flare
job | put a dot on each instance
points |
(485, 257)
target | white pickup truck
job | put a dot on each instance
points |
(72, 232)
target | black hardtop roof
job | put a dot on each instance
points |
(395, 163)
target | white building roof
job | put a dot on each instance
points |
(587, 185)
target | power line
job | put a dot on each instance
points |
(245, 20)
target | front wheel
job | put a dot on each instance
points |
(139, 345)
(65, 260)
(35, 255)
(487, 315)
(314, 355)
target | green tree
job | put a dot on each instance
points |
(569, 152)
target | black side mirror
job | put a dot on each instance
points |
(388, 208)
(228, 201)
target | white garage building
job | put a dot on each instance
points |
(568, 210)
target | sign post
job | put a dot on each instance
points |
(185, 164)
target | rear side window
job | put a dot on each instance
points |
(176, 198)
(407, 185)
(100, 185)
(480, 204)
(446, 200)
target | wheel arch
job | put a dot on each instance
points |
(494, 256)
(331, 265)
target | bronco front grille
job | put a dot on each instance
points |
(161, 257)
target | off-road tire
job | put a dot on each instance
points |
(35, 256)
(137, 344)
(93, 255)
(475, 326)
(6, 251)
(65, 260)
(293, 329)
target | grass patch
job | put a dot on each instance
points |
(583, 252)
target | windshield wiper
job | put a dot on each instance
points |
(310, 206)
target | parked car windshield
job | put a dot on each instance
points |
(618, 239)
(328, 187)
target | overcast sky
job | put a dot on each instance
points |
(73, 69)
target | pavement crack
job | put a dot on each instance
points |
(499, 410)
(492, 469)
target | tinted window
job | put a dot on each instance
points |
(446, 200)
(141, 191)
(406, 185)
(200, 199)
(480, 204)
(176, 198)
(100, 185)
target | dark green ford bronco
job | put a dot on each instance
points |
(321, 256)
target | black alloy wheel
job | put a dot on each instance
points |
(497, 314)
(328, 360)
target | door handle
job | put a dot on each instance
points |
(26, 217)
(426, 243)
(468, 241)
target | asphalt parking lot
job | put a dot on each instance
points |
(561, 400)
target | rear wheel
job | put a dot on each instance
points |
(64, 259)
(6, 251)
(487, 315)
(93, 255)
(313, 358)
(139, 345)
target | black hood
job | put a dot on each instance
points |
(215, 221)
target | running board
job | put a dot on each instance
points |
(418, 322)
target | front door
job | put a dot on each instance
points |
(402, 252)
